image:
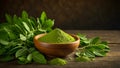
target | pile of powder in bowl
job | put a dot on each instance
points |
(57, 36)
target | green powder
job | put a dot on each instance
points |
(57, 36)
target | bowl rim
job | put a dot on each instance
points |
(77, 39)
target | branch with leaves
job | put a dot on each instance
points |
(91, 48)
(16, 37)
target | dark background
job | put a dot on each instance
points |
(69, 14)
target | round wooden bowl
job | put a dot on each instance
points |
(57, 50)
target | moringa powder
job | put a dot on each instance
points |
(57, 36)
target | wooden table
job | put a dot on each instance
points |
(112, 60)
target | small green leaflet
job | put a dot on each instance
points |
(8, 18)
(95, 40)
(22, 37)
(2, 51)
(10, 33)
(32, 49)
(43, 17)
(4, 42)
(29, 57)
(3, 35)
(57, 61)
(83, 59)
(49, 23)
(21, 52)
(38, 57)
(83, 40)
(99, 53)
(24, 14)
(26, 26)
(23, 60)
(6, 58)
(13, 50)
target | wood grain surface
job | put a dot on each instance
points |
(112, 60)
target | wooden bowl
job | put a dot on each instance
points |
(57, 50)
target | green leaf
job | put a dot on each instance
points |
(83, 59)
(38, 57)
(10, 33)
(104, 42)
(20, 24)
(4, 42)
(84, 43)
(26, 26)
(3, 35)
(29, 57)
(103, 46)
(33, 22)
(48, 23)
(24, 14)
(21, 52)
(83, 40)
(32, 49)
(30, 36)
(26, 22)
(2, 25)
(57, 61)
(22, 37)
(8, 18)
(95, 40)
(43, 17)
(99, 53)
(89, 53)
(20, 29)
(6, 58)
(38, 23)
(2, 51)
(82, 37)
(13, 50)
(23, 60)
(15, 19)
(78, 54)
